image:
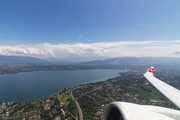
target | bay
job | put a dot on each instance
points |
(30, 86)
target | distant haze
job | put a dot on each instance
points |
(166, 61)
(20, 60)
(112, 61)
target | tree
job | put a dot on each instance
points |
(4, 111)
(57, 101)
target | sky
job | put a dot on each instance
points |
(90, 29)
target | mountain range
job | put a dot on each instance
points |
(112, 61)
(20, 60)
(137, 61)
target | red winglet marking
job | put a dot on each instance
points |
(151, 70)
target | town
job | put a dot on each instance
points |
(92, 98)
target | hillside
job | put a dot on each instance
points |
(137, 61)
(20, 60)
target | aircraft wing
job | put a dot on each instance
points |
(170, 92)
(131, 111)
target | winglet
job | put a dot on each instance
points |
(151, 70)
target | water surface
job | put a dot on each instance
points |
(30, 86)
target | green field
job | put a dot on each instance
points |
(155, 95)
(63, 98)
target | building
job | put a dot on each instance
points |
(47, 107)
(58, 118)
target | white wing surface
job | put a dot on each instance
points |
(170, 92)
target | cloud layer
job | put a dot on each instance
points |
(97, 50)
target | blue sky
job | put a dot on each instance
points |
(81, 28)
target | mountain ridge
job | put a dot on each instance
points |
(20, 60)
(111, 61)
(136, 61)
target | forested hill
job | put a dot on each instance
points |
(20, 60)
(137, 61)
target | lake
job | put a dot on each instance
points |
(30, 86)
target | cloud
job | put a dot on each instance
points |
(141, 25)
(80, 36)
(97, 50)
(26, 50)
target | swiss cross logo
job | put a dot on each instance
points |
(151, 70)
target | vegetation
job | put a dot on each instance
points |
(65, 97)
(73, 108)
(88, 106)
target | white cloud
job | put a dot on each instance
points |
(141, 25)
(97, 50)
(80, 36)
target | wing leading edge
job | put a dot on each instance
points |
(170, 92)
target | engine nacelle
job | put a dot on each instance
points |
(130, 111)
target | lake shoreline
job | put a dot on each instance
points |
(43, 84)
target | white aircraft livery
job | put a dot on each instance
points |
(131, 111)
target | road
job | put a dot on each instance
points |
(89, 92)
(77, 104)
